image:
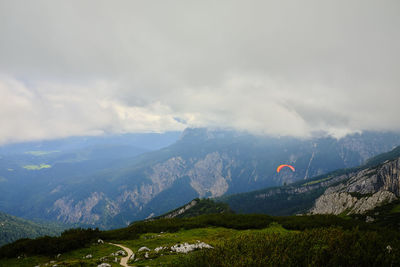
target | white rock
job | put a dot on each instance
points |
(89, 256)
(104, 265)
(185, 247)
(369, 219)
(159, 248)
(132, 257)
(120, 253)
(143, 249)
(146, 255)
(100, 241)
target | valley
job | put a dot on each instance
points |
(90, 183)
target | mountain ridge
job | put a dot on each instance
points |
(301, 196)
(13, 228)
(202, 163)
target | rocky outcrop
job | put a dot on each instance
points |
(337, 203)
(206, 176)
(186, 247)
(81, 211)
(163, 175)
(363, 191)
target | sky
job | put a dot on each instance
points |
(292, 68)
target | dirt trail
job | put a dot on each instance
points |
(124, 260)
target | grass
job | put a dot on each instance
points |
(396, 209)
(72, 258)
(210, 235)
(37, 167)
(315, 247)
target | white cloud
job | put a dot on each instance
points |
(284, 68)
(48, 110)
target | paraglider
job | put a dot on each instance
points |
(284, 165)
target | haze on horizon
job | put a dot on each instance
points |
(268, 67)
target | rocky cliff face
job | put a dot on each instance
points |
(363, 191)
(207, 177)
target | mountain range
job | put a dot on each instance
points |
(112, 185)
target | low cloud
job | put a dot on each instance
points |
(93, 67)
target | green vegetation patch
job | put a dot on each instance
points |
(317, 181)
(99, 252)
(211, 229)
(212, 236)
(37, 167)
(396, 209)
(40, 153)
(316, 247)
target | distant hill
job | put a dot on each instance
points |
(378, 174)
(13, 228)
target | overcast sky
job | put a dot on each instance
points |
(269, 67)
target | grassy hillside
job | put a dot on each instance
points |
(13, 228)
(236, 240)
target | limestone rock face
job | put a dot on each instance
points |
(363, 191)
(208, 177)
(337, 203)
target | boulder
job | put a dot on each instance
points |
(143, 249)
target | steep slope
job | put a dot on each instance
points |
(13, 228)
(353, 190)
(363, 191)
(202, 163)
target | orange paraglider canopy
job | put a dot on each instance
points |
(284, 165)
